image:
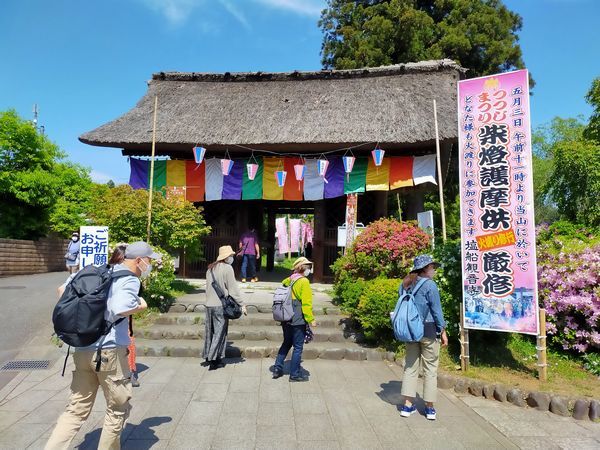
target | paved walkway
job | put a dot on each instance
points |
(346, 404)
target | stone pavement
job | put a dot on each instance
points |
(346, 404)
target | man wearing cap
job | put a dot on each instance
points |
(72, 255)
(114, 376)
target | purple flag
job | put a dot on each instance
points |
(335, 176)
(232, 184)
(139, 173)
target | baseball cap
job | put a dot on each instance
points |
(140, 249)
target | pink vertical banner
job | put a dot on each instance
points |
(295, 231)
(282, 235)
(496, 195)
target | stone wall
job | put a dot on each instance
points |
(19, 257)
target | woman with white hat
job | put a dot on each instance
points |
(427, 350)
(295, 330)
(215, 325)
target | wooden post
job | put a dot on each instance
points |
(151, 187)
(541, 348)
(464, 343)
(439, 170)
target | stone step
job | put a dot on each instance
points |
(181, 306)
(254, 349)
(260, 319)
(239, 331)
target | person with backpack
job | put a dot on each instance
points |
(294, 330)
(72, 255)
(216, 323)
(422, 329)
(102, 359)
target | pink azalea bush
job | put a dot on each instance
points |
(569, 290)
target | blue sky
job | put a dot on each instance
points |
(87, 62)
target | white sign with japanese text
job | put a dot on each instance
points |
(94, 246)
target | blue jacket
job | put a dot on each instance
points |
(427, 300)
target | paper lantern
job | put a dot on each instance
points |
(348, 163)
(299, 171)
(378, 156)
(252, 170)
(280, 175)
(322, 165)
(199, 153)
(226, 166)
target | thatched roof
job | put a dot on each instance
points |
(297, 110)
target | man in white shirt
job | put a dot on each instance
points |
(114, 376)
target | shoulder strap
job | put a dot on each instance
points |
(420, 283)
(292, 287)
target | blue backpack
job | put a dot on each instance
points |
(407, 321)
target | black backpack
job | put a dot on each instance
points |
(78, 316)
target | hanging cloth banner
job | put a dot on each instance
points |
(194, 180)
(282, 235)
(293, 188)
(232, 183)
(295, 230)
(378, 177)
(271, 191)
(356, 181)
(138, 179)
(160, 175)
(176, 173)
(252, 189)
(401, 170)
(313, 182)
(335, 175)
(214, 179)
(424, 169)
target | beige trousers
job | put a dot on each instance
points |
(427, 351)
(114, 379)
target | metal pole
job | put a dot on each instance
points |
(151, 187)
(439, 170)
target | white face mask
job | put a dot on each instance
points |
(147, 270)
(307, 272)
(229, 260)
(74, 239)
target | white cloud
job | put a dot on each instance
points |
(303, 7)
(175, 11)
(99, 177)
(236, 12)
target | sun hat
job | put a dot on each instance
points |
(140, 249)
(302, 261)
(75, 233)
(423, 261)
(224, 252)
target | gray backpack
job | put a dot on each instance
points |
(283, 307)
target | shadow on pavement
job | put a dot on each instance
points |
(145, 437)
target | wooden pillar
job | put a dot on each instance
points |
(415, 203)
(271, 240)
(319, 240)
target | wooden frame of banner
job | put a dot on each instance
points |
(151, 184)
(541, 348)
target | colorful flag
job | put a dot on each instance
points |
(401, 172)
(252, 188)
(138, 179)
(424, 169)
(313, 182)
(378, 178)
(232, 184)
(356, 181)
(293, 188)
(335, 176)
(160, 175)
(271, 189)
(194, 181)
(214, 179)
(175, 173)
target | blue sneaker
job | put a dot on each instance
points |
(407, 411)
(430, 413)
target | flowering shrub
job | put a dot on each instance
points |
(569, 289)
(157, 287)
(377, 300)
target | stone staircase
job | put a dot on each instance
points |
(180, 333)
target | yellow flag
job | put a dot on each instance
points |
(378, 177)
(175, 173)
(271, 191)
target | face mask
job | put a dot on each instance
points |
(145, 272)
(74, 239)
(307, 272)
(229, 260)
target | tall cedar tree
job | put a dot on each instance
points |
(481, 35)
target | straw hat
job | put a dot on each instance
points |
(302, 261)
(224, 252)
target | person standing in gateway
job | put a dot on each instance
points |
(250, 251)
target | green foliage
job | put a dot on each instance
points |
(37, 189)
(157, 288)
(452, 210)
(377, 300)
(480, 34)
(176, 223)
(592, 131)
(573, 183)
(592, 363)
(347, 289)
(449, 281)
